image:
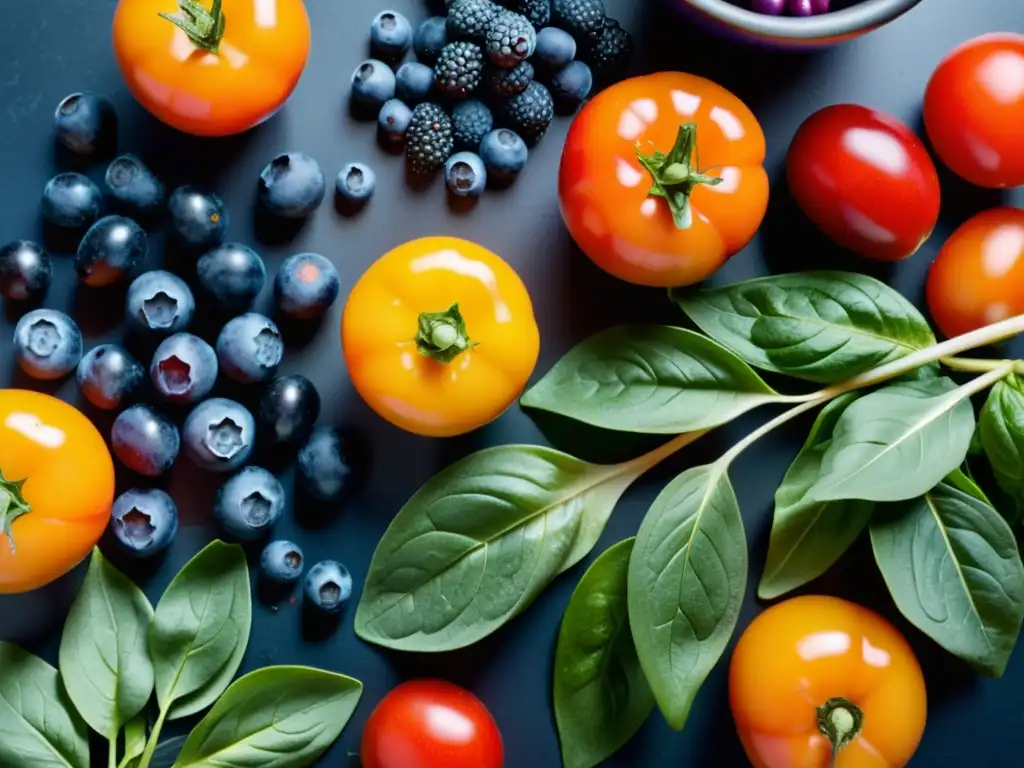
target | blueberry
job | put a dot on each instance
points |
(373, 82)
(289, 408)
(25, 271)
(555, 47)
(306, 285)
(282, 562)
(71, 200)
(109, 376)
(391, 34)
(393, 123)
(328, 586)
(184, 368)
(356, 183)
(86, 123)
(504, 153)
(145, 441)
(144, 521)
(414, 82)
(159, 303)
(465, 175)
(233, 275)
(249, 504)
(47, 344)
(134, 188)
(250, 348)
(332, 464)
(571, 85)
(199, 221)
(218, 435)
(113, 248)
(292, 185)
(430, 39)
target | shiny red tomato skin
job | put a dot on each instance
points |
(431, 724)
(865, 180)
(974, 110)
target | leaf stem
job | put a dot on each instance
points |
(154, 737)
(112, 751)
(728, 457)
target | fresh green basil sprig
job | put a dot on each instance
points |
(116, 650)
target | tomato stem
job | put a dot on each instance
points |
(442, 335)
(204, 27)
(840, 720)
(12, 506)
(676, 174)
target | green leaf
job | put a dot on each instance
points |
(478, 542)
(39, 727)
(201, 629)
(104, 657)
(809, 536)
(821, 326)
(281, 716)
(1001, 433)
(952, 566)
(134, 742)
(960, 480)
(600, 692)
(687, 575)
(896, 443)
(652, 379)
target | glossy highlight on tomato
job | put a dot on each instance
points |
(209, 79)
(978, 277)
(865, 180)
(431, 724)
(612, 184)
(821, 657)
(56, 487)
(974, 110)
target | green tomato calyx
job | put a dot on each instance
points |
(442, 335)
(840, 720)
(12, 506)
(676, 174)
(205, 28)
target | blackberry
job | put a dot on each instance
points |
(458, 69)
(469, 19)
(503, 84)
(537, 11)
(510, 39)
(429, 141)
(583, 19)
(471, 121)
(530, 113)
(611, 54)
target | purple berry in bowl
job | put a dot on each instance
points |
(768, 7)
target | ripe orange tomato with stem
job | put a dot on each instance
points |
(211, 67)
(662, 178)
(56, 488)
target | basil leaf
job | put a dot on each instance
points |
(687, 576)
(104, 659)
(897, 442)
(821, 326)
(809, 536)
(39, 727)
(1001, 432)
(288, 716)
(961, 480)
(651, 379)
(134, 742)
(167, 752)
(952, 565)
(478, 542)
(601, 695)
(201, 629)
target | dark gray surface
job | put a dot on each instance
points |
(51, 48)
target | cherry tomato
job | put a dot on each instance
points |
(662, 179)
(865, 180)
(974, 110)
(211, 67)
(431, 724)
(978, 276)
(56, 488)
(822, 657)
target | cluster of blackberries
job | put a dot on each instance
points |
(488, 80)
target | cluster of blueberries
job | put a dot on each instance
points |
(218, 434)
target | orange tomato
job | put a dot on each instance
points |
(822, 657)
(208, 77)
(662, 178)
(978, 276)
(439, 336)
(56, 488)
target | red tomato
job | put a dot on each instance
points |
(974, 110)
(431, 724)
(865, 180)
(978, 276)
